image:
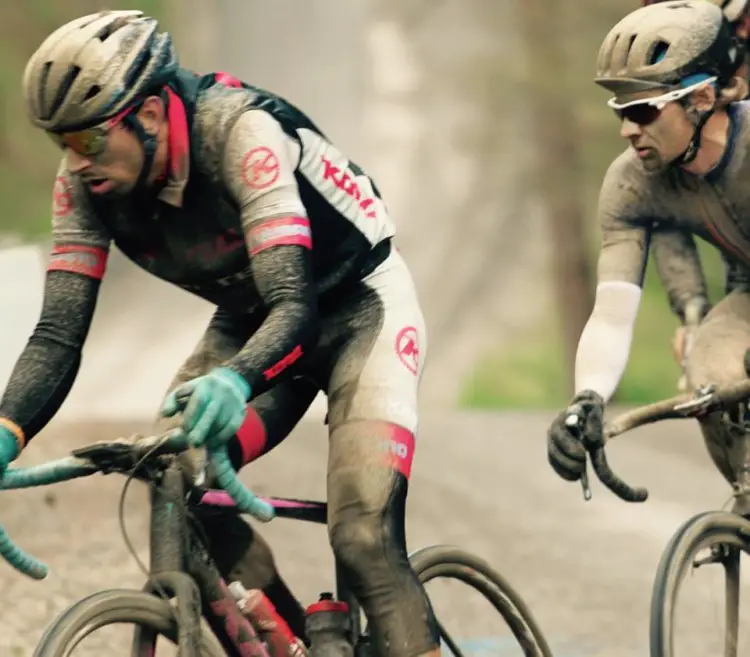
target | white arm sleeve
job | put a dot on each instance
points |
(604, 346)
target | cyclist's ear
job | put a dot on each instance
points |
(152, 113)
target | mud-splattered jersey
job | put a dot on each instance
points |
(635, 206)
(258, 174)
(259, 213)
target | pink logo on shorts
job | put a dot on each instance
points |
(407, 348)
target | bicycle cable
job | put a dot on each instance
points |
(123, 530)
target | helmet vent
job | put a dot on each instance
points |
(658, 52)
(137, 68)
(43, 77)
(110, 28)
(62, 90)
(631, 41)
(95, 89)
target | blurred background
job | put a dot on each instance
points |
(481, 125)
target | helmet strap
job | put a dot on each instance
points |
(148, 144)
(690, 153)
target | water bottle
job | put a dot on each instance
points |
(271, 627)
(328, 627)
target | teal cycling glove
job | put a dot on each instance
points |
(213, 406)
(9, 449)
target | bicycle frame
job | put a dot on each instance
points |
(181, 567)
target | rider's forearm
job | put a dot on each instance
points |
(283, 277)
(604, 346)
(680, 271)
(47, 367)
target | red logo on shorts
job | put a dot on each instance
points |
(407, 348)
(260, 167)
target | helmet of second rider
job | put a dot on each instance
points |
(679, 58)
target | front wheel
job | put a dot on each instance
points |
(440, 561)
(116, 606)
(723, 536)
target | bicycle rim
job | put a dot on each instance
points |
(111, 607)
(440, 561)
(713, 528)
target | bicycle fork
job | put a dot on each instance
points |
(181, 571)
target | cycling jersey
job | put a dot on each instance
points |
(247, 172)
(634, 205)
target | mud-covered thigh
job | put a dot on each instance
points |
(717, 355)
(378, 346)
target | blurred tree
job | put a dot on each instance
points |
(558, 178)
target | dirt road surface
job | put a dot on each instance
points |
(479, 481)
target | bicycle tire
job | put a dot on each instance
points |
(115, 606)
(445, 561)
(703, 529)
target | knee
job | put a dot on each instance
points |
(358, 542)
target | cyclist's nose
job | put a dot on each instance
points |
(628, 129)
(76, 162)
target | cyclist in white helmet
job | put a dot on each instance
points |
(675, 254)
(672, 70)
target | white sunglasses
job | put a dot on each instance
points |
(646, 110)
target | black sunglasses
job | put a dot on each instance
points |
(641, 115)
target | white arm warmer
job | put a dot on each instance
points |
(604, 346)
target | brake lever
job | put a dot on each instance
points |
(704, 401)
(108, 454)
(573, 421)
(201, 476)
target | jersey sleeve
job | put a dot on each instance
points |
(625, 224)
(259, 172)
(80, 243)
(46, 369)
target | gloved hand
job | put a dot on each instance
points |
(565, 451)
(9, 448)
(213, 405)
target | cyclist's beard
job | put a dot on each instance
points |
(652, 162)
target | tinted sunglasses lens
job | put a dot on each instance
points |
(88, 143)
(639, 114)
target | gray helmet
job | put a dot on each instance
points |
(94, 67)
(657, 46)
(733, 9)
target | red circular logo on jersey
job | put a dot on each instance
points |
(62, 198)
(407, 348)
(260, 167)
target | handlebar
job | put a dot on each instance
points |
(119, 455)
(701, 402)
